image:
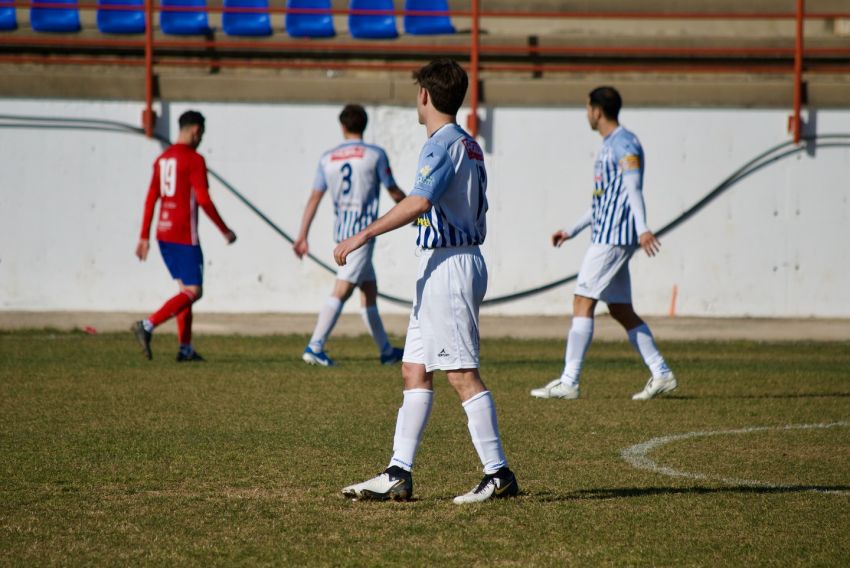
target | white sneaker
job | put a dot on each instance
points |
(655, 386)
(394, 483)
(556, 389)
(498, 485)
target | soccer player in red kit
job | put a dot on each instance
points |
(180, 181)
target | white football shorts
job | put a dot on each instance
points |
(604, 274)
(443, 329)
(358, 265)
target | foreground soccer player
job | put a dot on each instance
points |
(618, 219)
(180, 180)
(353, 172)
(449, 199)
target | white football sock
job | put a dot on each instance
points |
(578, 341)
(643, 342)
(484, 429)
(409, 426)
(373, 322)
(326, 322)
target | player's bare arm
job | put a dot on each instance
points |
(300, 246)
(559, 238)
(649, 243)
(396, 193)
(403, 213)
(142, 249)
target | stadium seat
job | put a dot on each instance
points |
(192, 22)
(8, 21)
(428, 25)
(372, 27)
(309, 25)
(244, 23)
(121, 21)
(55, 19)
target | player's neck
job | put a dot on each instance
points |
(436, 122)
(607, 127)
(351, 136)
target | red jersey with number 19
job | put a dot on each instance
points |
(180, 180)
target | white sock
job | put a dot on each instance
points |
(484, 429)
(643, 342)
(326, 322)
(373, 322)
(146, 323)
(578, 340)
(409, 426)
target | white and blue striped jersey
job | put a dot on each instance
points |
(452, 177)
(612, 219)
(353, 172)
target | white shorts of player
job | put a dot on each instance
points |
(443, 329)
(358, 265)
(604, 274)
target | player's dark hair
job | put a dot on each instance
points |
(191, 118)
(446, 83)
(354, 119)
(607, 99)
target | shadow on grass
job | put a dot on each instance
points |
(627, 492)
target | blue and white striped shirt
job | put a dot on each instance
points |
(353, 171)
(612, 218)
(452, 177)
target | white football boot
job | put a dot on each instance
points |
(655, 386)
(499, 485)
(556, 389)
(394, 483)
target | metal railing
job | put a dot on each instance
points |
(499, 58)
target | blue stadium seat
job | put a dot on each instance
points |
(192, 22)
(8, 21)
(244, 23)
(428, 25)
(309, 25)
(121, 21)
(55, 19)
(374, 27)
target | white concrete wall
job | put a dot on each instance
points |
(774, 245)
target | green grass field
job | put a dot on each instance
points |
(108, 459)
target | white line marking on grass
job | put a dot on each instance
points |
(638, 455)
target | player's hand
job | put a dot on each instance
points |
(230, 237)
(649, 243)
(346, 247)
(559, 238)
(142, 249)
(300, 247)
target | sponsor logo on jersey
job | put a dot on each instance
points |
(424, 177)
(348, 153)
(473, 150)
(423, 222)
(630, 162)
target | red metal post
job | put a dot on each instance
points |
(796, 125)
(472, 120)
(147, 114)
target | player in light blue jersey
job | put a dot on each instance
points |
(617, 218)
(352, 173)
(449, 202)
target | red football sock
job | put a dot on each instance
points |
(172, 307)
(184, 326)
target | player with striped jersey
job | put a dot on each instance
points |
(449, 203)
(352, 172)
(617, 218)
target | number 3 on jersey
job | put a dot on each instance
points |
(168, 177)
(345, 170)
